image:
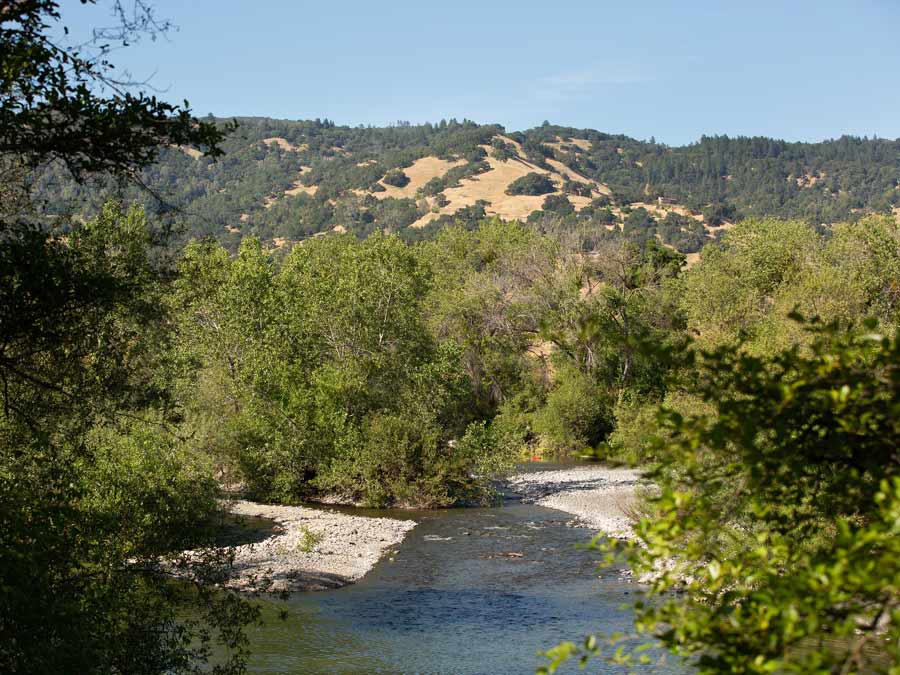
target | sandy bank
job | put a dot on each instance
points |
(599, 496)
(313, 549)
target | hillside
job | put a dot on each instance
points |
(285, 181)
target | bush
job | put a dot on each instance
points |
(396, 177)
(577, 188)
(531, 184)
(637, 221)
(575, 416)
(636, 425)
(558, 204)
(397, 459)
(502, 150)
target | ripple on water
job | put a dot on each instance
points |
(470, 591)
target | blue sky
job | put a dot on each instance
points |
(674, 70)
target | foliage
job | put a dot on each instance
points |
(575, 417)
(396, 177)
(325, 370)
(65, 103)
(502, 150)
(720, 180)
(95, 489)
(531, 184)
(98, 495)
(762, 270)
(777, 516)
(309, 540)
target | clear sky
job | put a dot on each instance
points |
(674, 70)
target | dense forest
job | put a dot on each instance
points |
(155, 347)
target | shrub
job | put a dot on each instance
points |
(575, 416)
(638, 220)
(577, 188)
(502, 150)
(396, 177)
(558, 204)
(531, 184)
(309, 540)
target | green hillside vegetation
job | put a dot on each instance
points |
(531, 184)
(284, 181)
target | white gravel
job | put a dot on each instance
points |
(346, 547)
(599, 496)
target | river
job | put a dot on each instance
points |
(476, 591)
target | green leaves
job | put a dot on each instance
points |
(777, 518)
(328, 376)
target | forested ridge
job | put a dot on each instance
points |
(285, 181)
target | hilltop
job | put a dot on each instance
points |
(285, 181)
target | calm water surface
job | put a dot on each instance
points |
(452, 601)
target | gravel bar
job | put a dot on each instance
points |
(312, 549)
(599, 497)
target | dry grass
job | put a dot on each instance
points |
(285, 144)
(807, 180)
(419, 172)
(190, 152)
(692, 258)
(560, 144)
(298, 188)
(660, 211)
(491, 186)
(725, 226)
(573, 175)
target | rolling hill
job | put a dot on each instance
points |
(285, 181)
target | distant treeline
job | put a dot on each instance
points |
(721, 178)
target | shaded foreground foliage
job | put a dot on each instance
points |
(98, 495)
(96, 490)
(777, 517)
(771, 545)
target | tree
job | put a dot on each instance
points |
(778, 514)
(96, 492)
(396, 178)
(65, 103)
(531, 184)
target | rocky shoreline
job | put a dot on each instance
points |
(319, 548)
(311, 549)
(600, 497)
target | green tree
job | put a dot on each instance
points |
(531, 184)
(777, 516)
(396, 178)
(95, 489)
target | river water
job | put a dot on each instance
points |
(469, 592)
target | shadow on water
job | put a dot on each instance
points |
(469, 591)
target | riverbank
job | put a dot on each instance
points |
(312, 549)
(600, 497)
